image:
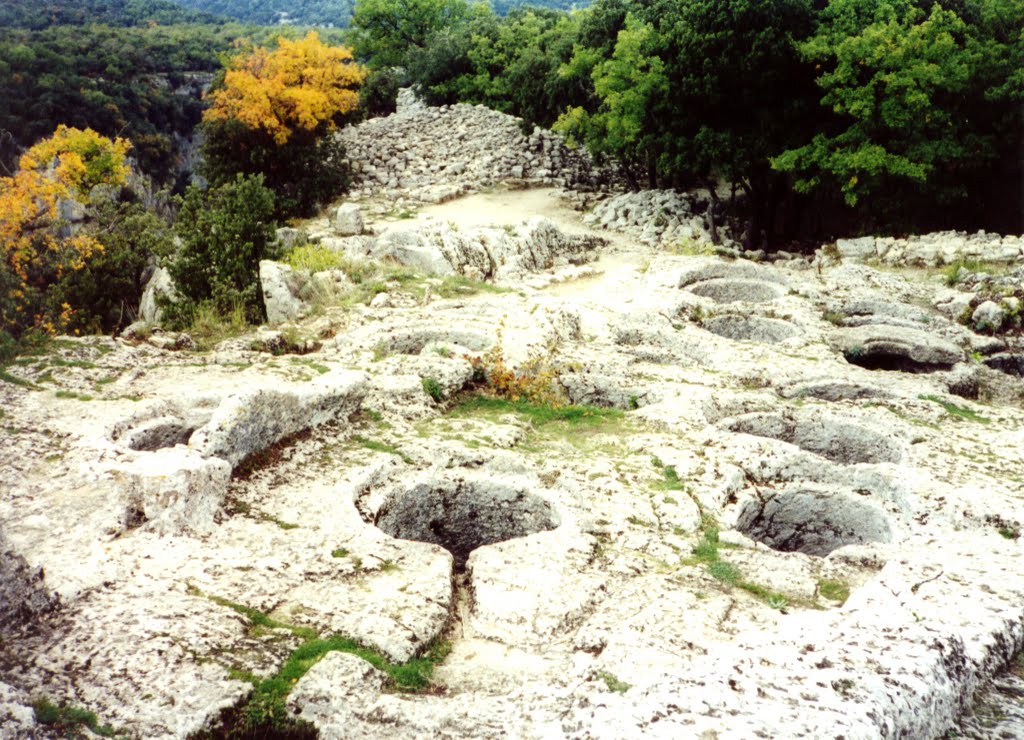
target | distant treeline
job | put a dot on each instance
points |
(37, 14)
(335, 13)
(823, 115)
(124, 73)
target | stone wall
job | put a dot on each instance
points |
(433, 154)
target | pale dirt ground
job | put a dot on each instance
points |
(621, 261)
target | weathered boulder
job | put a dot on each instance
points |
(172, 490)
(250, 421)
(989, 316)
(348, 220)
(886, 347)
(281, 285)
(440, 249)
(160, 285)
(23, 596)
(336, 694)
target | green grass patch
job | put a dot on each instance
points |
(669, 478)
(378, 446)
(433, 389)
(949, 273)
(61, 362)
(706, 552)
(6, 377)
(69, 719)
(312, 365)
(340, 552)
(833, 590)
(456, 286)
(613, 683)
(73, 395)
(264, 714)
(961, 412)
(538, 414)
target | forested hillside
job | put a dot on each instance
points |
(35, 14)
(131, 68)
(329, 12)
(269, 12)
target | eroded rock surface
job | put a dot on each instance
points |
(746, 532)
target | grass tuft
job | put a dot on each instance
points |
(69, 719)
(613, 683)
(833, 590)
(961, 412)
(539, 414)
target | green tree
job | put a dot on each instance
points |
(385, 31)
(509, 64)
(894, 81)
(224, 233)
(274, 114)
(921, 98)
(106, 291)
(633, 87)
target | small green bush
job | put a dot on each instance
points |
(433, 389)
(225, 233)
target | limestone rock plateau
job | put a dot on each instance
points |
(774, 499)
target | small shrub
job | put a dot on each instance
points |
(613, 683)
(69, 719)
(535, 381)
(209, 326)
(433, 389)
(225, 233)
(316, 258)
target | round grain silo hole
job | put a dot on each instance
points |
(461, 516)
(728, 290)
(812, 521)
(751, 328)
(839, 441)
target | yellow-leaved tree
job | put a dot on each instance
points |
(273, 115)
(300, 86)
(37, 245)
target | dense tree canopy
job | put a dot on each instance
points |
(38, 14)
(299, 87)
(272, 115)
(900, 114)
(36, 246)
(386, 31)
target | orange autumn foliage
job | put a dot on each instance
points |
(35, 247)
(301, 85)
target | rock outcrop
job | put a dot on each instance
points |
(792, 504)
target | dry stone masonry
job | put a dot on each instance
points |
(431, 155)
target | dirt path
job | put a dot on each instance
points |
(617, 263)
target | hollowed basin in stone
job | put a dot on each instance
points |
(412, 340)
(730, 290)
(751, 328)
(461, 515)
(835, 440)
(813, 521)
